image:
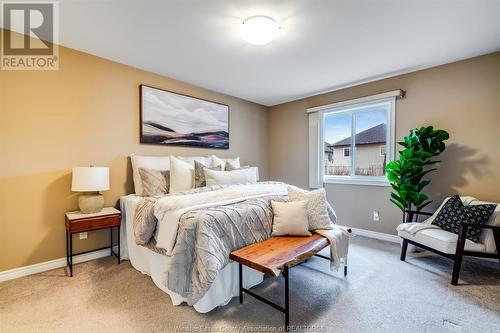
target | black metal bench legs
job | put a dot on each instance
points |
(328, 258)
(285, 310)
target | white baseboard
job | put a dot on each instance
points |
(61, 262)
(52, 264)
(376, 235)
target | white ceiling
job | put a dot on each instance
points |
(325, 44)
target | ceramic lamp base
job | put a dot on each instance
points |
(91, 202)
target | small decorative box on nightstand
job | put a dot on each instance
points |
(77, 222)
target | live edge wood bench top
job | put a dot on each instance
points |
(271, 256)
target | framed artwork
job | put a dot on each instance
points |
(168, 118)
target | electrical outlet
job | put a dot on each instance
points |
(376, 216)
(83, 235)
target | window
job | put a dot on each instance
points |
(352, 141)
(382, 150)
(357, 136)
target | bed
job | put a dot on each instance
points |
(182, 238)
(157, 265)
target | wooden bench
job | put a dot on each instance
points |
(275, 256)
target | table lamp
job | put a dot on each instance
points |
(90, 180)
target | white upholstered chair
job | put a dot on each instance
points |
(451, 245)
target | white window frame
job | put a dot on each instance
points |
(390, 140)
(349, 150)
(380, 150)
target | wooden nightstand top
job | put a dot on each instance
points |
(77, 215)
(107, 218)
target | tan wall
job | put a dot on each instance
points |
(85, 113)
(462, 97)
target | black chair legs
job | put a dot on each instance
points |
(458, 254)
(456, 270)
(404, 247)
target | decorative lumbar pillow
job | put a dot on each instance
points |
(290, 218)
(216, 161)
(317, 211)
(181, 175)
(241, 176)
(146, 162)
(154, 182)
(230, 167)
(453, 213)
(199, 174)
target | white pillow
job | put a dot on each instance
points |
(235, 162)
(191, 159)
(290, 218)
(240, 176)
(317, 211)
(181, 175)
(146, 162)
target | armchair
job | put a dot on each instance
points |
(454, 246)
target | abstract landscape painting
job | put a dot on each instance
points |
(168, 118)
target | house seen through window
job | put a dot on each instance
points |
(356, 140)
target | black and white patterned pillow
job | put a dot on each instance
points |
(453, 213)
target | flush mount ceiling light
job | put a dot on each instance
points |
(260, 29)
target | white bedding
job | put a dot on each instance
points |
(156, 265)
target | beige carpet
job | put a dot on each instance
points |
(381, 294)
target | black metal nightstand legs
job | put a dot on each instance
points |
(118, 256)
(113, 253)
(69, 248)
(69, 252)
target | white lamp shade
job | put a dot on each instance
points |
(90, 179)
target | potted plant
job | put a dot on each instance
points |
(415, 161)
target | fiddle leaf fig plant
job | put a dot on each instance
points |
(415, 161)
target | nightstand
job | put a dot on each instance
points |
(77, 222)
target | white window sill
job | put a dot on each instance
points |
(356, 181)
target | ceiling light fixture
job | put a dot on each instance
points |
(260, 29)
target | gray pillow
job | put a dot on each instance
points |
(154, 182)
(199, 175)
(144, 223)
(231, 167)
